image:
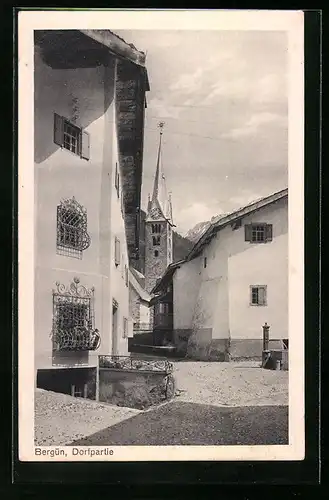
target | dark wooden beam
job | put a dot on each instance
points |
(117, 45)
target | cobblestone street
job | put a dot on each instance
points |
(201, 387)
(230, 384)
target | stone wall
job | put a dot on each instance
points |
(135, 389)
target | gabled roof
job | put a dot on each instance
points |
(221, 222)
(143, 294)
(217, 224)
(167, 275)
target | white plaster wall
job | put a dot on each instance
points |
(62, 174)
(260, 264)
(186, 284)
(217, 296)
(144, 313)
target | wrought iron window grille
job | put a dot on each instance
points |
(74, 318)
(72, 235)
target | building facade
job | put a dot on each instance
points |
(233, 281)
(89, 121)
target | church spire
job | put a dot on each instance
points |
(159, 205)
(155, 195)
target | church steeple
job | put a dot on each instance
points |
(159, 206)
(157, 171)
(158, 226)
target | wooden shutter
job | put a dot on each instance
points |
(85, 145)
(248, 232)
(269, 232)
(58, 130)
(117, 252)
(262, 295)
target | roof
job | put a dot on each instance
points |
(143, 294)
(218, 223)
(221, 222)
(117, 45)
(167, 275)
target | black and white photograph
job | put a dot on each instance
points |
(161, 235)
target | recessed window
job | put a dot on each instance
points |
(205, 262)
(70, 137)
(258, 233)
(117, 255)
(117, 180)
(258, 295)
(72, 235)
(156, 253)
(156, 241)
(73, 318)
(156, 228)
(126, 276)
(79, 391)
(125, 328)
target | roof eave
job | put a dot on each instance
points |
(118, 46)
(242, 212)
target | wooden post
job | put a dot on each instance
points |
(97, 379)
(266, 337)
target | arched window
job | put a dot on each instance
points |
(156, 240)
(156, 228)
(156, 253)
(72, 235)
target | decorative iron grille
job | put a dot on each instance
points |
(72, 235)
(129, 363)
(73, 318)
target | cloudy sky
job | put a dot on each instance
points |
(223, 97)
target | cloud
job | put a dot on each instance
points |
(257, 89)
(189, 82)
(254, 124)
(162, 109)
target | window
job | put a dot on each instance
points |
(258, 295)
(205, 262)
(79, 391)
(72, 235)
(68, 136)
(156, 240)
(163, 308)
(117, 180)
(156, 253)
(156, 228)
(126, 276)
(73, 318)
(125, 328)
(258, 233)
(122, 204)
(117, 251)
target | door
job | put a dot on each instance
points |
(114, 330)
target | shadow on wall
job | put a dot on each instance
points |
(81, 95)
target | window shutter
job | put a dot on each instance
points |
(117, 252)
(85, 145)
(269, 232)
(58, 130)
(261, 295)
(247, 232)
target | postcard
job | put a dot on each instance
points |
(161, 235)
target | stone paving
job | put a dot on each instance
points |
(242, 383)
(61, 419)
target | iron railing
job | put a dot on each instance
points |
(129, 363)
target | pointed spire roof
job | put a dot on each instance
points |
(159, 207)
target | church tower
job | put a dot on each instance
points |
(158, 226)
